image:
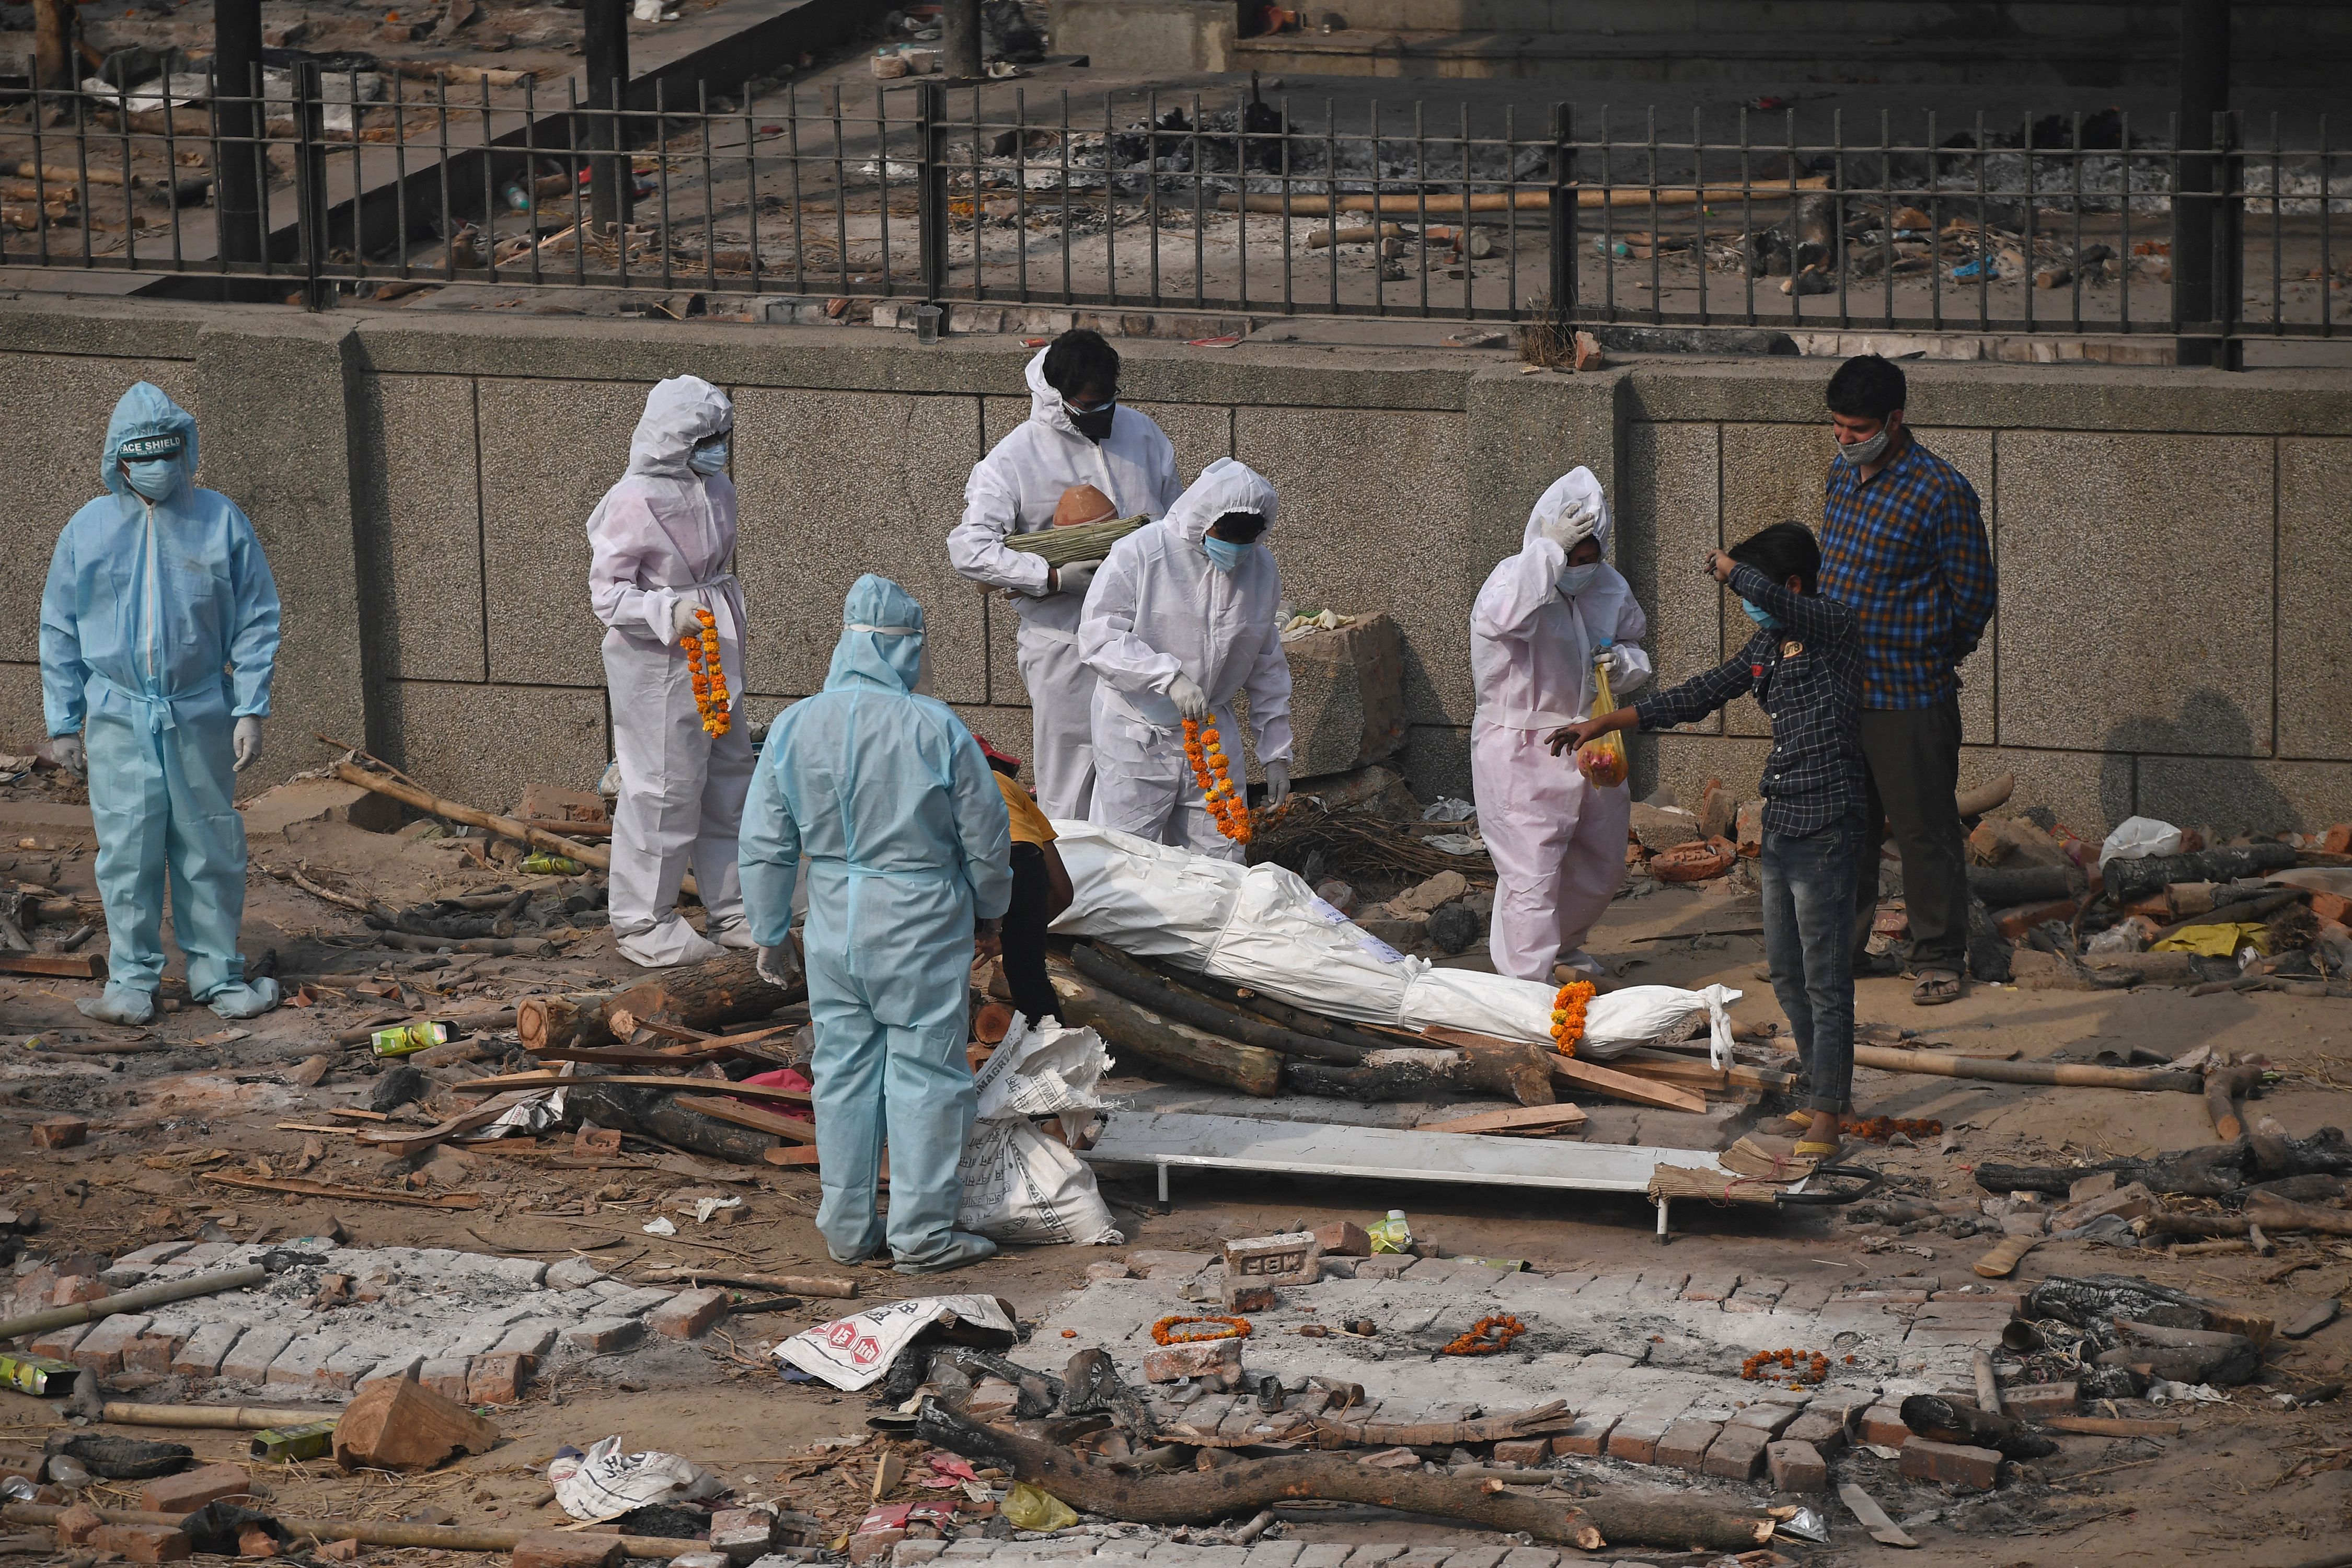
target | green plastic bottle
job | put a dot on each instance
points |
(1393, 1233)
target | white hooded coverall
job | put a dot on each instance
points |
(1015, 489)
(665, 533)
(1558, 843)
(1158, 609)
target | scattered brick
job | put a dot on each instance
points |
(101, 1349)
(1766, 1418)
(1522, 1451)
(1883, 1424)
(76, 1288)
(743, 1534)
(1243, 1295)
(497, 1379)
(1736, 1452)
(1343, 1238)
(1634, 1439)
(255, 1349)
(1710, 1286)
(339, 1551)
(77, 1524)
(1796, 1467)
(61, 1133)
(202, 1352)
(191, 1489)
(1683, 1444)
(446, 1375)
(254, 1542)
(143, 1543)
(1955, 1465)
(58, 1344)
(573, 1274)
(1825, 1430)
(1173, 1364)
(1392, 1459)
(2035, 1401)
(602, 1336)
(153, 1351)
(868, 1545)
(1097, 1273)
(688, 1314)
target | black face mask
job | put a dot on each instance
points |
(1095, 426)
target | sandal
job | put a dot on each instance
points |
(1819, 1153)
(1935, 987)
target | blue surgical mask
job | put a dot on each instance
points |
(1574, 580)
(709, 459)
(154, 479)
(1223, 553)
(1764, 619)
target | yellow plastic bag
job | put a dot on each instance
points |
(1602, 761)
(1029, 1508)
(2220, 940)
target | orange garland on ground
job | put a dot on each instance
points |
(1816, 1367)
(1226, 804)
(709, 677)
(1568, 1014)
(1504, 1328)
(1162, 1331)
(1879, 1129)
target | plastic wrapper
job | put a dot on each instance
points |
(1020, 1182)
(604, 1483)
(1029, 1508)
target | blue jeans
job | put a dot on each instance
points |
(1809, 947)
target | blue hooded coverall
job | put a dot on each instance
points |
(147, 604)
(888, 795)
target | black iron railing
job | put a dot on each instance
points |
(348, 180)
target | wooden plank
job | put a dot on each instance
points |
(1664, 1069)
(1526, 1119)
(724, 1110)
(797, 1154)
(632, 1081)
(1588, 1075)
(57, 966)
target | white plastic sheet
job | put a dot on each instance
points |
(604, 1483)
(853, 1352)
(1266, 928)
(2138, 838)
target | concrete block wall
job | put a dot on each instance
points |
(2170, 542)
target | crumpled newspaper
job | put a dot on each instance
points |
(2161, 1391)
(604, 1483)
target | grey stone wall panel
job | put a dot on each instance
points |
(420, 494)
(481, 744)
(2314, 589)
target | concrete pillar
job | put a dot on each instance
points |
(959, 40)
(2204, 92)
(605, 47)
(236, 193)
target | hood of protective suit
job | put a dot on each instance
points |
(1223, 486)
(1045, 405)
(145, 411)
(680, 412)
(888, 658)
(1577, 485)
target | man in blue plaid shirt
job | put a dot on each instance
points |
(1902, 542)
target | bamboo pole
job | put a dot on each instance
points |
(1509, 201)
(227, 1418)
(375, 1532)
(2062, 1074)
(134, 1300)
(489, 820)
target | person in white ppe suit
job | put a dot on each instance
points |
(1184, 617)
(910, 860)
(1076, 433)
(663, 539)
(1558, 842)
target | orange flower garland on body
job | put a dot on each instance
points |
(708, 674)
(1208, 758)
(1568, 1014)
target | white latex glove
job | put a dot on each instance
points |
(1575, 524)
(1277, 783)
(779, 965)
(246, 741)
(67, 750)
(1071, 577)
(1191, 702)
(1625, 662)
(683, 621)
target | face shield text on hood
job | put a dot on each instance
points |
(156, 437)
(680, 414)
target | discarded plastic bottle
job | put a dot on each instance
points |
(1393, 1233)
(545, 865)
(406, 1039)
(519, 196)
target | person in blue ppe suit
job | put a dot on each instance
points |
(889, 797)
(159, 634)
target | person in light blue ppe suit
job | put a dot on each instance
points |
(910, 855)
(159, 634)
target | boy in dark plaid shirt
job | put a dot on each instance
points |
(1804, 666)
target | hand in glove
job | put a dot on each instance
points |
(1072, 577)
(1575, 524)
(1627, 667)
(67, 749)
(1277, 783)
(1191, 702)
(246, 741)
(779, 965)
(683, 621)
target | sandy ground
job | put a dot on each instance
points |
(161, 1116)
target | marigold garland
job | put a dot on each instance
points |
(708, 674)
(1781, 1366)
(1226, 804)
(1162, 1331)
(1879, 1129)
(1568, 1014)
(1504, 1327)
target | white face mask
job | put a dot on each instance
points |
(1574, 580)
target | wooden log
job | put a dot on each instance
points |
(2127, 881)
(472, 816)
(346, 1193)
(1122, 976)
(1363, 1036)
(1253, 1070)
(375, 1532)
(2276, 1214)
(1987, 1385)
(791, 1284)
(710, 996)
(401, 1425)
(650, 1113)
(1586, 1075)
(59, 966)
(2108, 1426)
(1365, 1433)
(400, 1144)
(503, 946)
(2207, 1172)
(1526, 1120)
(1402, 1073)
(1245, 1485)
(736, 1113)
(64, 175)
(501, 1082)
(2223, 1087)
(2064, 1075)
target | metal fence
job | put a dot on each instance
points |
(327, 180)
